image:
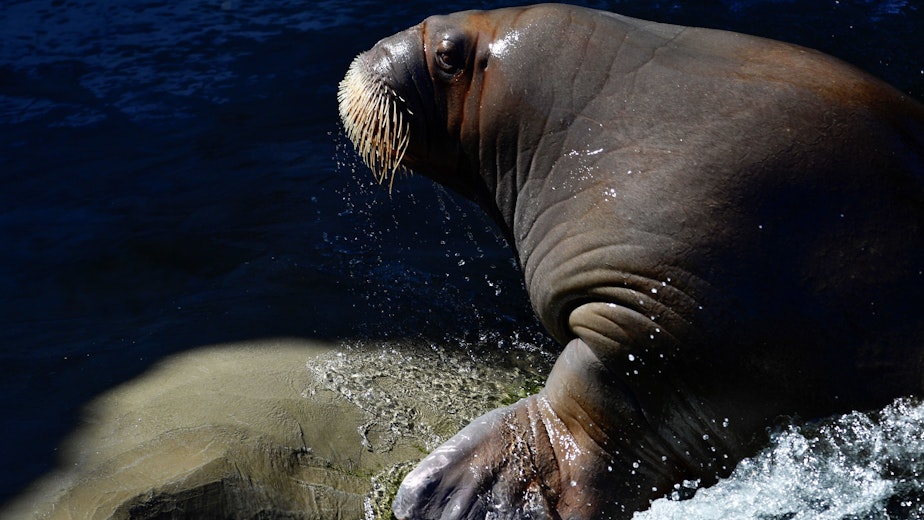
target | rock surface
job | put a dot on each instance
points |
(277, 429)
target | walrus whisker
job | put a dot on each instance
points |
(374, 121)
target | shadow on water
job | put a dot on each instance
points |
(175, 177)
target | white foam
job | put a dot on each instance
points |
(853, 466)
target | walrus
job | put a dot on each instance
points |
(723, 232)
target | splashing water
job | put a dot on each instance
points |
(422, 393)
(860, 465)
(428, 391)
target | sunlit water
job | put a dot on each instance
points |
(173, 176)
(402, 387)
(423, 392)
(856, 466)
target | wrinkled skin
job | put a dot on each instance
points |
(721, 229)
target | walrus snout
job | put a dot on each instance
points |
(381, 99)
(374, 114)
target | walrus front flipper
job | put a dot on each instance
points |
(557, 454)
(522, 461)
(506, 481)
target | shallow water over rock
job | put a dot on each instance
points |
(286, 428)
(429, 391)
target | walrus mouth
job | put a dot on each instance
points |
(374, 121)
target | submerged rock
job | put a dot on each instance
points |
(283, 429)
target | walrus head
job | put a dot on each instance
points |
(477, 101)
(401, 103)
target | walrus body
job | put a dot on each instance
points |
(721, 229)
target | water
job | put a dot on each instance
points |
(434, 380)
(173, 176)
(856, 466)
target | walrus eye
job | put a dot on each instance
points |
(449, 56)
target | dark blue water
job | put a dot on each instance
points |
(172, 175)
